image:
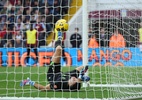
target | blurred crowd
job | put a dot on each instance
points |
(17, 15)
(101, 39)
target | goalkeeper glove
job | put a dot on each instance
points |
(83, 75)
(85, 78)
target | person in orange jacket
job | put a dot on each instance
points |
(117, 40)
(93, 42)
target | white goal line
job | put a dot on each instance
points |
(30, 98)
(115, 85)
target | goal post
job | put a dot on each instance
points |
(84, 32)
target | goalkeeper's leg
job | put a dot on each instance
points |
(55, 66)
(28, 81)
(56, 59)
(58, 52)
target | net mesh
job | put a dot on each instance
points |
(114, 64)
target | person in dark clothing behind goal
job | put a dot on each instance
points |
(31, 42)
(76, 39)
(70, 81)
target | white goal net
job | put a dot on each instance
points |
(113, 38)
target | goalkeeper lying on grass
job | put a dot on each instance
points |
(70, 81)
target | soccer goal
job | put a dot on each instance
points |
(114, 56)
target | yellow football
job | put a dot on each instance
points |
(61, 25)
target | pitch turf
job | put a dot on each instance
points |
(10, 78)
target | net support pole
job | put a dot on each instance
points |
(85, 32)
(85, 36)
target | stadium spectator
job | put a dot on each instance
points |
(13, 30)
(36, 14)
(33, 19)
(27, 5)
(18, 6)
(65, 6)
(54, 7)
(93, 42)
(13, 2)
(3, 31)
(11, 11)
(2, 3)
(103, 38)
(35, 5)
(76, 39)
(18, 12)
(8, 44)
(43, 21)
(27, 16)
(41, 28)
(31, 37)
(39, 25)
(117, 40)
(3, 11)
(49, 20)
(10, 19)
(90, 33)
(43, 5)
(19, 40)
(19, 25)
(26, 25)
(8, 5)
(140, 36)
(2, 22)
(8, 39)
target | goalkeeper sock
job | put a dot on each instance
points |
(60, 35)
(27, 82)
(32, 83)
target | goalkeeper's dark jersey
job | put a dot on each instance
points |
(61, 81)
(56, 77)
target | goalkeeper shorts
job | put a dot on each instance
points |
(53, 71)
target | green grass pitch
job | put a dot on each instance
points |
(10, 78)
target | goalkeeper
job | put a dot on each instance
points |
(69, 81)
(58, 80)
